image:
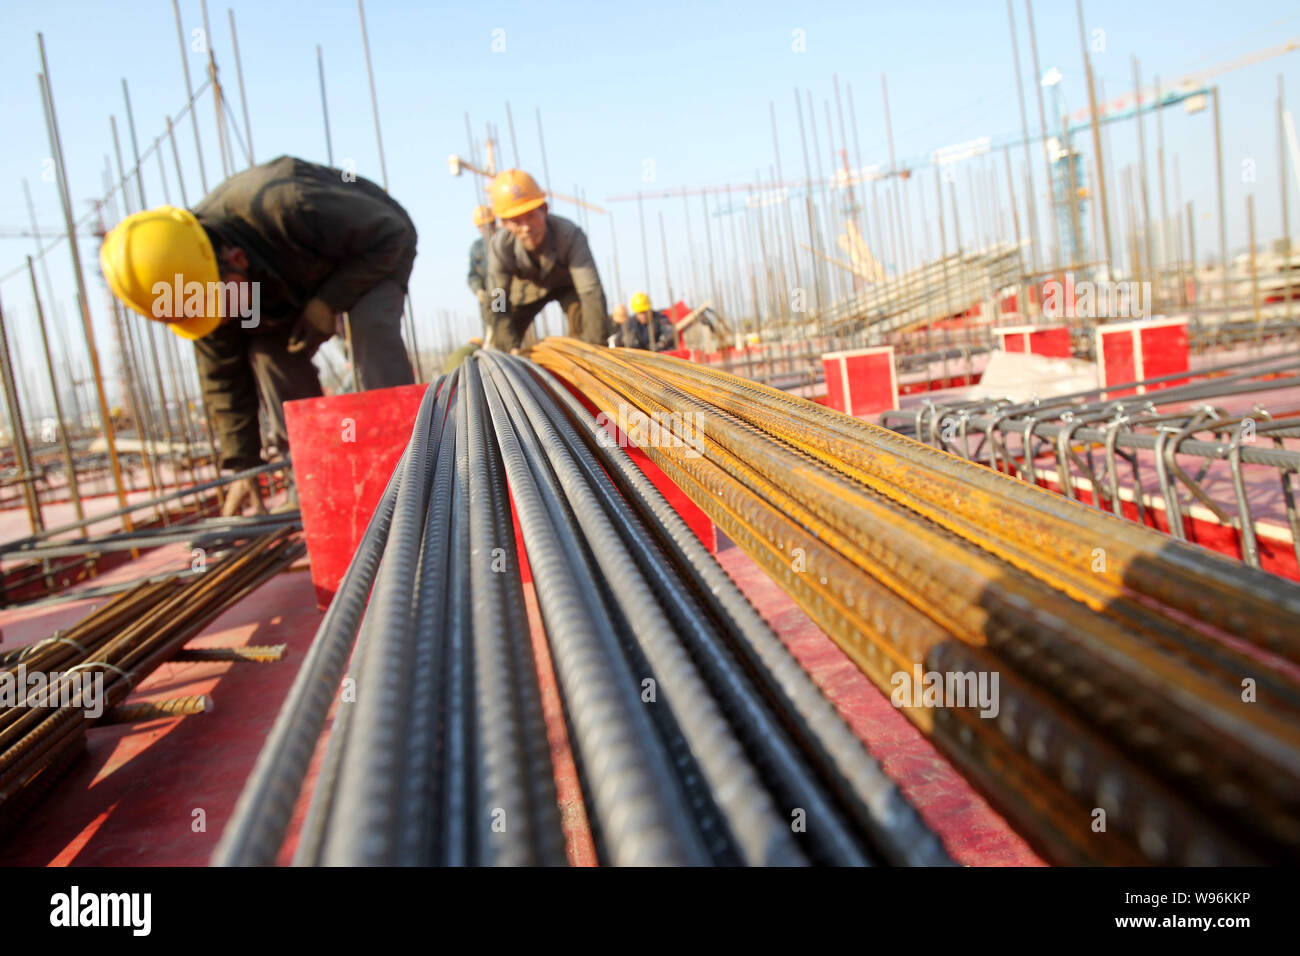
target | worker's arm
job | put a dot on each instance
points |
(366, 237)
(586, 282)
(231, 394)
(477, 267)
(666, 336)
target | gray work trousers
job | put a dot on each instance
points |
(379, 362)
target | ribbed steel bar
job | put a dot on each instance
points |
(642, 815)
(1133, 681)
(363, 829)
(823, 735)
(456, 830)
(1035, 529)
(261, 816)
(173, 534)
(513, 830)
(23, 544)
(120, 651)
(537, 747)
(762, 837)
(420, 785)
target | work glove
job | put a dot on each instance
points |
(314, 328)
(241, 493)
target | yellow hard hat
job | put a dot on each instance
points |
(168, 246)
(514, 193)
(483, 216)
(640, 302)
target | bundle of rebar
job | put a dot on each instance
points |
(948, 286)
(697, 737)
(1089, 434)
(72, 680)
(1147, 694)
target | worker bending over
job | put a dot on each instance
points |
(539, 258)
(619, 316)
(477, 278)
(278, 252)
(648, 329)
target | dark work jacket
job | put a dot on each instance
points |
(637, 336)
(563, 262)
(309, 232)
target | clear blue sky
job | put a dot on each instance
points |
(686, 85)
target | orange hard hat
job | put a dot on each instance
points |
(483, 216)
(514, 193)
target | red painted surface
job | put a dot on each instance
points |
(934, 385)
(1051, 341)
(861, 381)
(131, 800)
(1164, 352)
(1132, 351)
(1118, 361)
(835, 384)
(344, 450)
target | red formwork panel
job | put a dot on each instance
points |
(1013, 340)
(1132, 351)
(1052, 341)
(861, 381)
(1165, 351)
(344, 450)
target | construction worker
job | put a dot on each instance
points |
(619, 315)
(539, 258)
(455, 359)
(487, 225)
(257, 276)
(649, 329)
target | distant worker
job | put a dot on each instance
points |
(487, 224)
(455, 359)
(280, 249)
(649, 329)
(539, 258)
(619, 315)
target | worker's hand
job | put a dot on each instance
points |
(240, 494)
(314, 328)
